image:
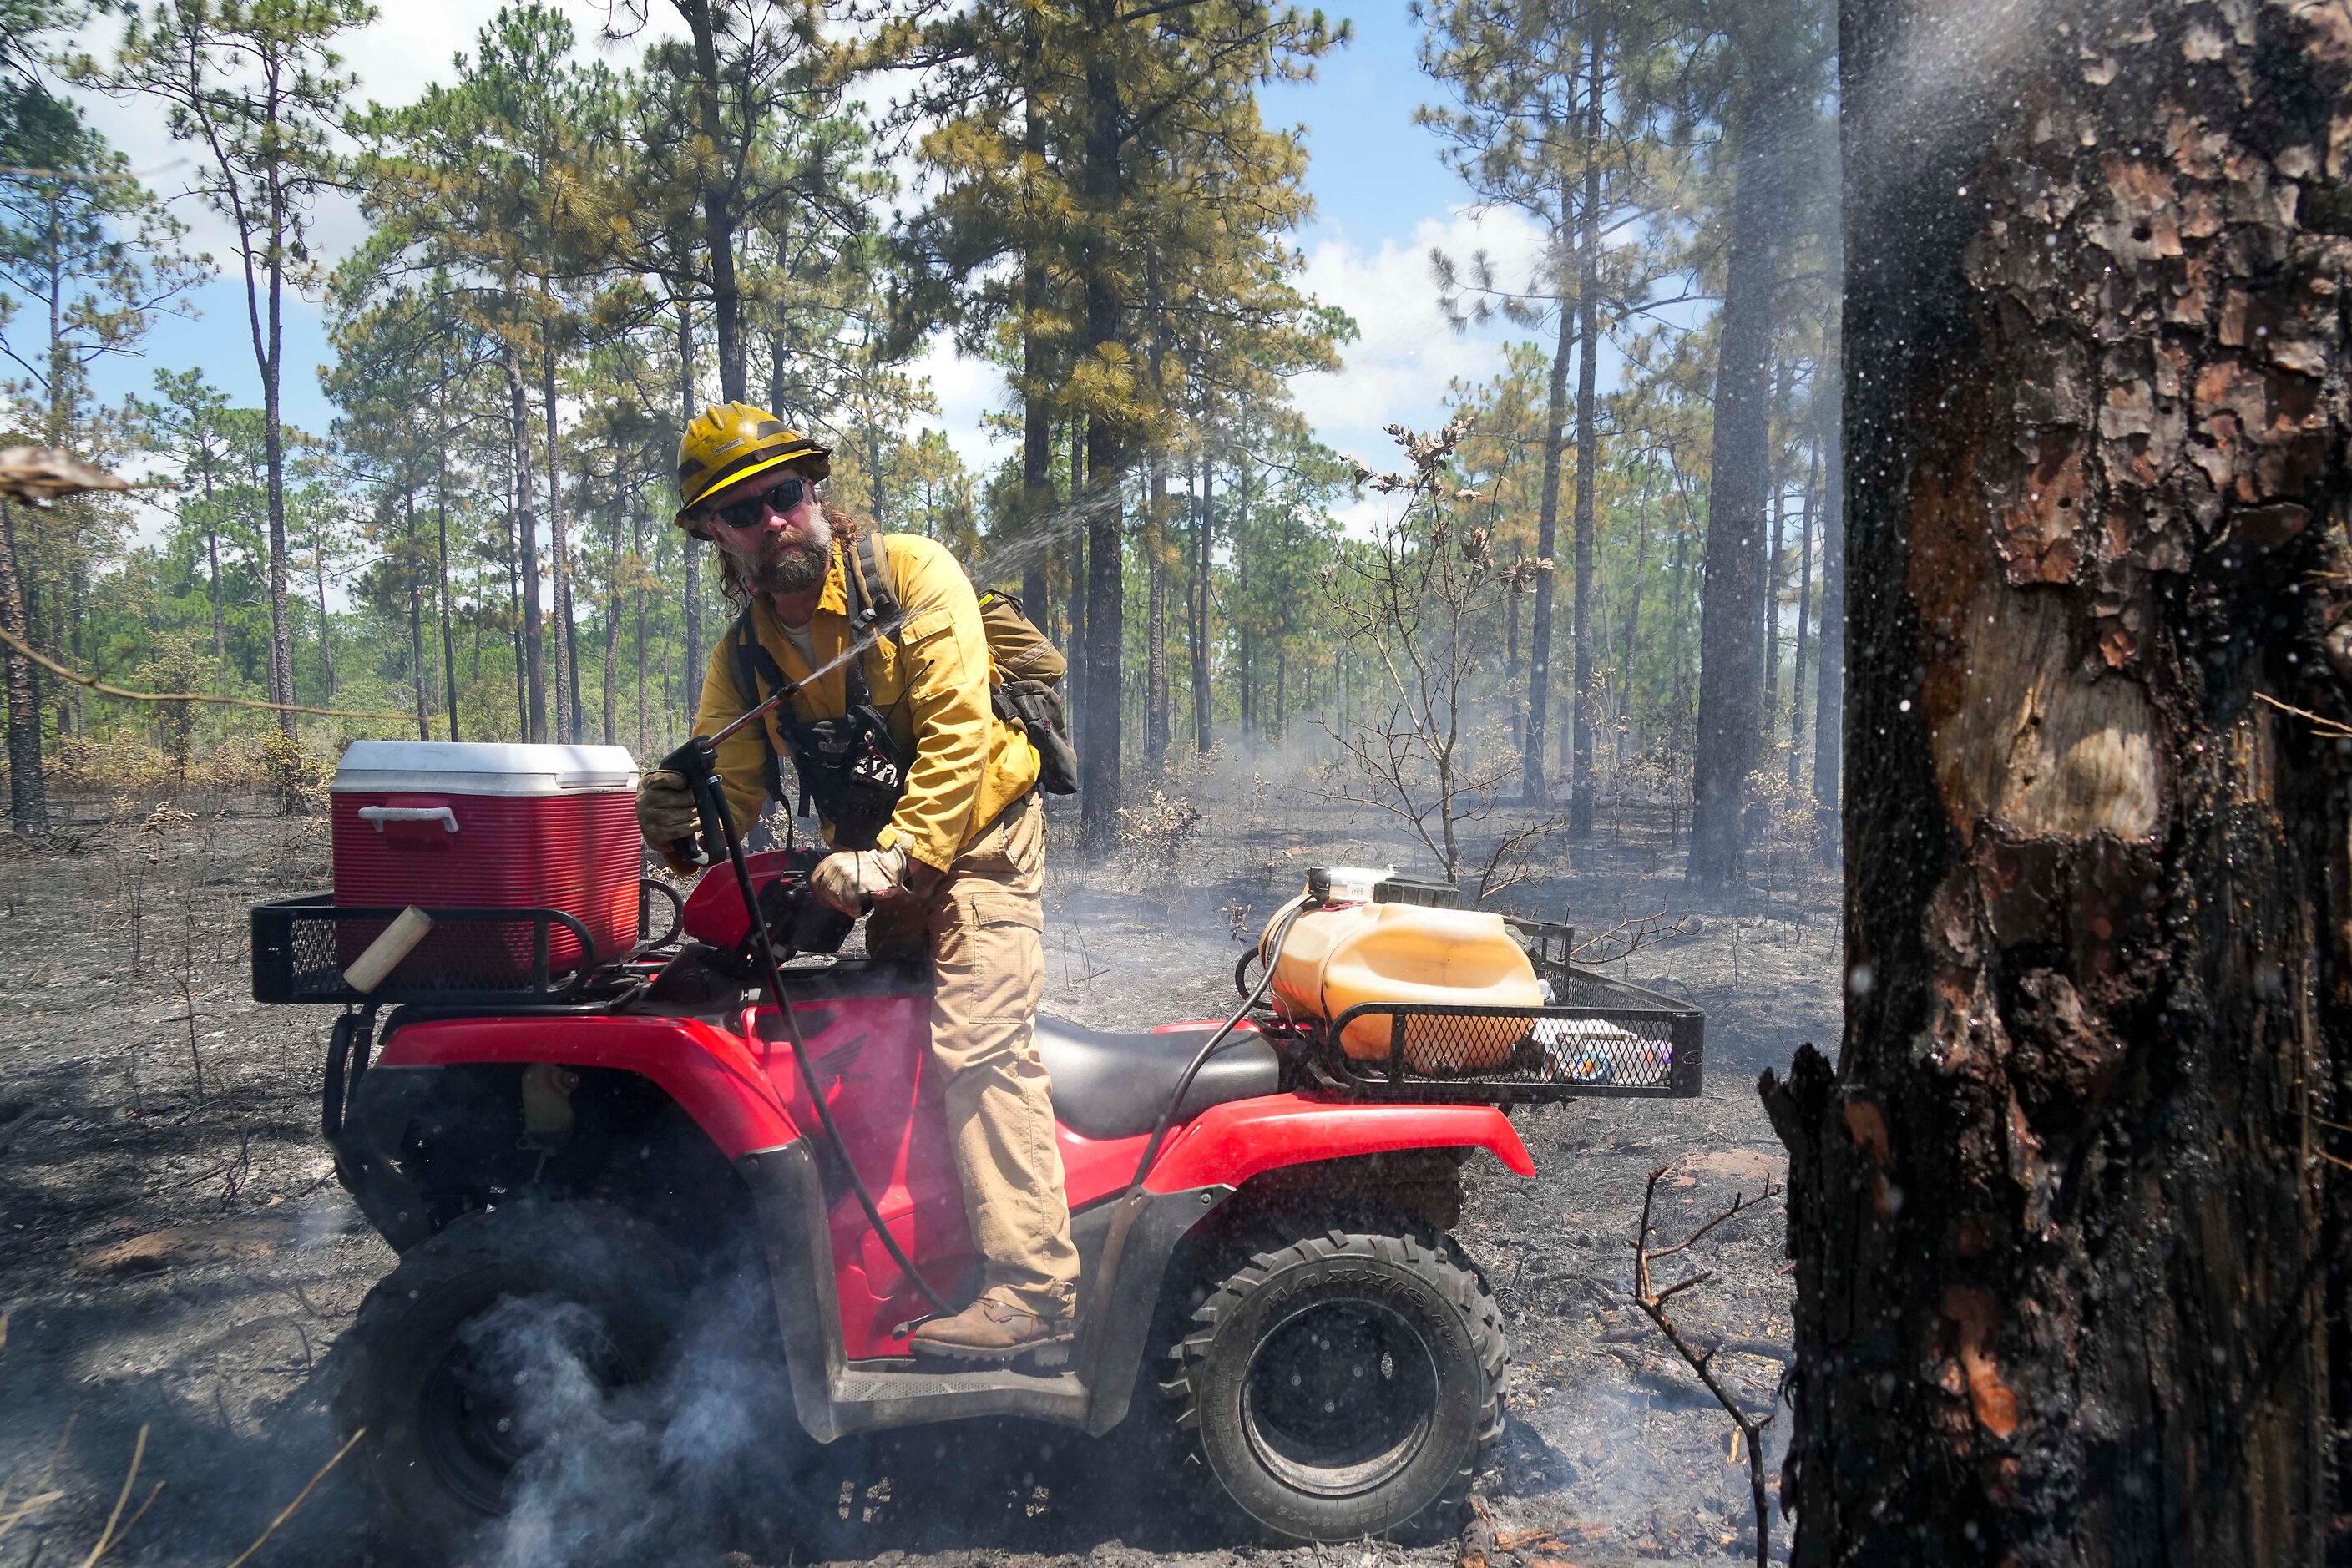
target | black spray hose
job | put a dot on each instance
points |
(698, 761)
(1200, 1057)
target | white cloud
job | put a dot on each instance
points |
(1397, 371)
(968, 389)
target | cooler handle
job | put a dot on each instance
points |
(380, 815)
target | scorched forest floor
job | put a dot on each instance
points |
(175, 1256)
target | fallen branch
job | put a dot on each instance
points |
(1638, 931)
(1653, 1302)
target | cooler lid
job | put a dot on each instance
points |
(484, 767)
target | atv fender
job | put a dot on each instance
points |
(715, 1077)
(1227, 1145)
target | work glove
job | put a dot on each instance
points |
(666, 811)
(851, 879)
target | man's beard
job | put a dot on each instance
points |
(796, 560)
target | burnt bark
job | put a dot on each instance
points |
(2069, 1212)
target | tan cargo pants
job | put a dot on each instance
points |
(984, 928)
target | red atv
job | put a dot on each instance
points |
(1260, 1214)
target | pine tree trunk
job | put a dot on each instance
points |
(564, 643)
(1729, 720)
(1531, 754)
(416, 617)
(2071, 1212)
(1105, 632)
(1155, 672)
(689, 548)
(441, 522)
(1768, 606)
(1828, 691)
(1633, 624)
(1074, 567)
(1204, 538)
(273, 447)
(326, 627)
(212, 563)
(527, 554)
(1037, 408)
(1037, 503)
(612, 683)
(717, 218)
(1808, 504)
(28, 804)
(1588, 451)
(637, 548)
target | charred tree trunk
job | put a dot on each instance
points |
(28, 801)
(2070, 1212)
(1730, 722)
(1531, 753)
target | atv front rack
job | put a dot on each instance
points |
(302, 945)
(1602, 1038)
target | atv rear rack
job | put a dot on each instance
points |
(1602, 1039)
(302, 945)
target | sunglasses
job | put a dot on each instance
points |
(753, 511)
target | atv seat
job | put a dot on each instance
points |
(1113, 1085)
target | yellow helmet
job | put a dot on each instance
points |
(730, 442)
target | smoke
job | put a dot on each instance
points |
(649, 1472)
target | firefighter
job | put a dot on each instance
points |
(956, 870)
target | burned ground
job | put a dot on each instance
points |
(177, 1262)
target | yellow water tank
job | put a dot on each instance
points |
(1333, 959)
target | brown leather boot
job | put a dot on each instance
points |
(990, 1330)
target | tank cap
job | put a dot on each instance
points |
(1345, 884)
(1415, 890)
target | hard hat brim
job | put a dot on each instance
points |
(815, 457)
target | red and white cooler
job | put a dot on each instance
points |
(445, 824)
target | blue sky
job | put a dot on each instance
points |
(1383, 199)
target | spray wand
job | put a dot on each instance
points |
(697, 763)
(711, 805)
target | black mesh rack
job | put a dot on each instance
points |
(302, 945)
(1601, 1037)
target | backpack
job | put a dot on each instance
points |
(1026, 667)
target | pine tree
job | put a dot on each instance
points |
(257, 85)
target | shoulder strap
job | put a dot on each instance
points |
(751, 662)
(873, 596)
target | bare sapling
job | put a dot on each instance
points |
(1653, 1302)
(1421, 598)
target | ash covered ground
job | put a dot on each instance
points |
(177, 1259)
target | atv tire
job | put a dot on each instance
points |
(1343, 1384)
(441, 1440)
